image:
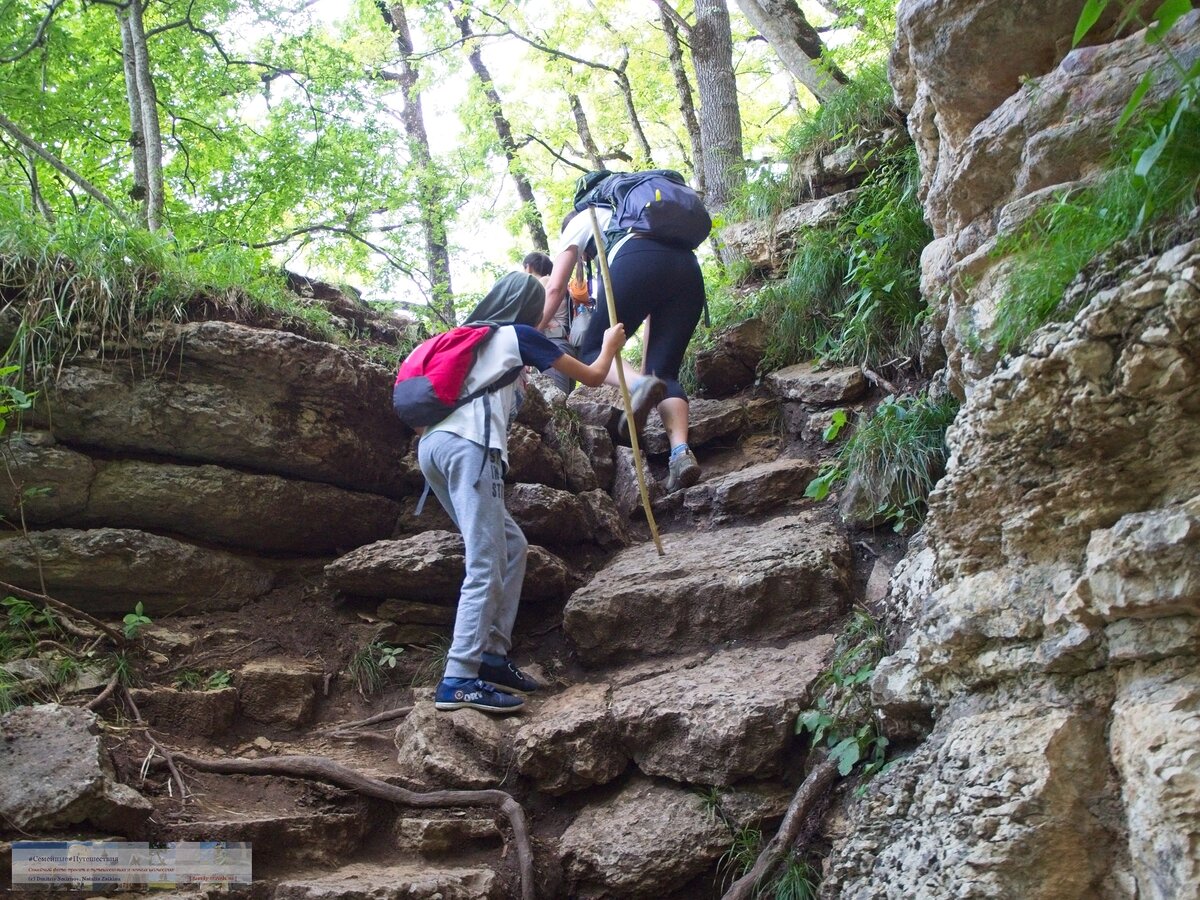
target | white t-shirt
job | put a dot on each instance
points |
(577, 233)
(499, 354)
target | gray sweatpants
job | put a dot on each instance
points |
(495, 547)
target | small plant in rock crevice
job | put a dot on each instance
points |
(842, 720)
(797, 880)
(898, 453)
(743, 850)
(370, 666)
(135, 621)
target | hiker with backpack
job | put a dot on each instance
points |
(540, 266)
(652, 223)
(460, 390)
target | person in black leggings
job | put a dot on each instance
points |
(664, 284)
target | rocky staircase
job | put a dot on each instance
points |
(270, 535)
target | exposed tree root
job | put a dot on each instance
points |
(802, 804)
(106, 693)
(319, 768)
(166, 754)
(386, 716)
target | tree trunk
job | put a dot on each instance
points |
(533, 219)
(137, 143)
(148, 103)
(61, 167)
(631, 110)
(585, 133)
(431, 198)
(797, 43)
(720, 120)
(684, 89)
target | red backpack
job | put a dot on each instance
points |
(430, 381)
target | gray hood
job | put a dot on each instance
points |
(516, 299)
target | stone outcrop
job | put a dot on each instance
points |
(647, 840)
(731, 363)
(55, 773)
(1058, 562)
(365, 882)
(268, 401)
(109, 570)
(775, 580)
(429, 568)
(1000, 134)
(571, 742)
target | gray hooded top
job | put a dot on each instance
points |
(516, 299)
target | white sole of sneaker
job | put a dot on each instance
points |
(448, 705)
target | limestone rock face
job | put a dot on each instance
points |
(55, 773)
(751, 491)
(1001, 802)
(109, 570)
(1005, 119)
(771, 581)
(768, 245)
(729, 719)
(711, 420)
(642, 843)
(1055, 622)
(557, 518)
(819, 387)
(428, 567)
(265, 400)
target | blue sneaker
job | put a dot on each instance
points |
(507, 676)
(474, 694)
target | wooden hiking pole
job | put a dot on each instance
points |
(602, 255)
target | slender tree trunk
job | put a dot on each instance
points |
(635, 123)
(137, 143)
(148, 102)
(35, 188)
(720, 120)
(797, 44)
(533, 219)
(684, 89)
(30, 144)
(585, 133)
(431, 198)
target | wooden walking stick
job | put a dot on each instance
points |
(602, 255)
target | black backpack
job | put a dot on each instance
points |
(657, 202)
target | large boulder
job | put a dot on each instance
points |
(710, 421)
(111, 570)
(570, 741)
(646, 841)
(752, 491)
(558, 518)
(268, 401)
(731, 718)
(768, 245)
(55, 773)
(731, 363)
(461, 749)
(776, 580)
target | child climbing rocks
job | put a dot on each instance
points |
(464, 458)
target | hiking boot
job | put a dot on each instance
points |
(475, 695)
(508, 677)
(682, 472)
(648, 393)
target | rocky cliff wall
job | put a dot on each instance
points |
(1052, 601)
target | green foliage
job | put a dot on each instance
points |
(194, 680)
(852, 292)
(842, 718)
(432, 663)
(135, 621)
(837, 421)
(743, 851)
(864, 106)
(370, 665)
(89, 280)
(898, 453)
(1152, 178)
(797, 880)
(13, 400)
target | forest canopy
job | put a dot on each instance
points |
(411, 149)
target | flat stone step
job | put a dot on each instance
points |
(370, 882)
(780, 579)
